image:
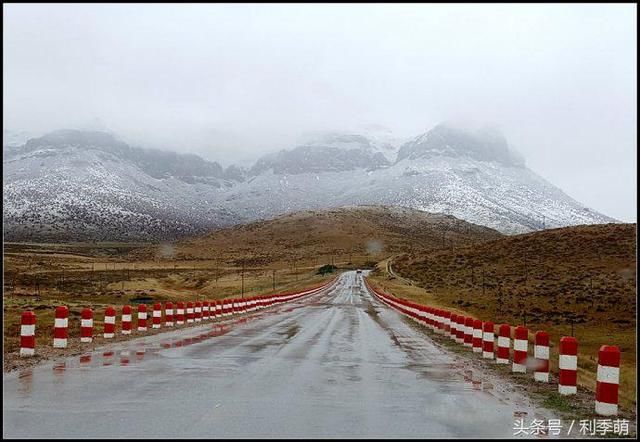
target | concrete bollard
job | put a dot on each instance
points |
(447, 323)
(460, 329)
(520, 348)
(86, 325)
(27, 333)
(190, 313)
(487, 340)
(476, 340)
(568, 366)
(109, 323)
(504, 344)
(126, 320)
(142, 317)
(439, 321)
(608, 380)
(156, 319)
(453, 326)
(468, 331)
(180, 313)
(205, 311)
(541, 355)
(168, 314)
(61, 327)
(197, 312)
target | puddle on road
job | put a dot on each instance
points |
(123, 354)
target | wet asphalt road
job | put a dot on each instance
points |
(334, 364)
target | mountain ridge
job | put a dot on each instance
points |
(90, 185)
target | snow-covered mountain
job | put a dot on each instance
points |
(88, 185)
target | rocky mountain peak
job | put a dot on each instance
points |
(484, 144)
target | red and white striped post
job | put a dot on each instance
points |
(487, 340)
(468, 331)
(608, 380)
(541, 355)
(218, 309)
(205, 311)
(27, 333)
(504, 344)
(190, 313)
(520, 347)
(476, 340)
(453, 326)
(439, 321)
(197, 312)
(61, 327)
(109, 323)
(168, 314)
(460, 329)
(157, 315)
(86, 325)
(180, 313)
(126, 319)
(142, 317)
(568, 366)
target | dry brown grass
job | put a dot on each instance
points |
(358, 235)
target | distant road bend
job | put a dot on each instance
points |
(334, 364)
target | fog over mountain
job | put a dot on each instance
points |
(238, 84)
(88, 185)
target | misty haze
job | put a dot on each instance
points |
(341, 210)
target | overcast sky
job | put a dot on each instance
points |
(231, 82)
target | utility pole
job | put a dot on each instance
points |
(273, 275)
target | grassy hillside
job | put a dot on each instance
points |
(578, 280)
(351, 234)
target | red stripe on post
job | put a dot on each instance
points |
(197, 311)
(476, 339)
(109, 322)
(190, 313)
(180, 313)
(27, 333)
(205, 311)
(453, 321)
(468, 331)
(168, 314)
(541, 355)
(127, 311)
(504, 344)
(142, 317)
(86, 325)
(568, 366)
(608, 380)
(446, 319)
(157, 315)
(60, 327)
(520, 348)
(487, 340)
(460, 329)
